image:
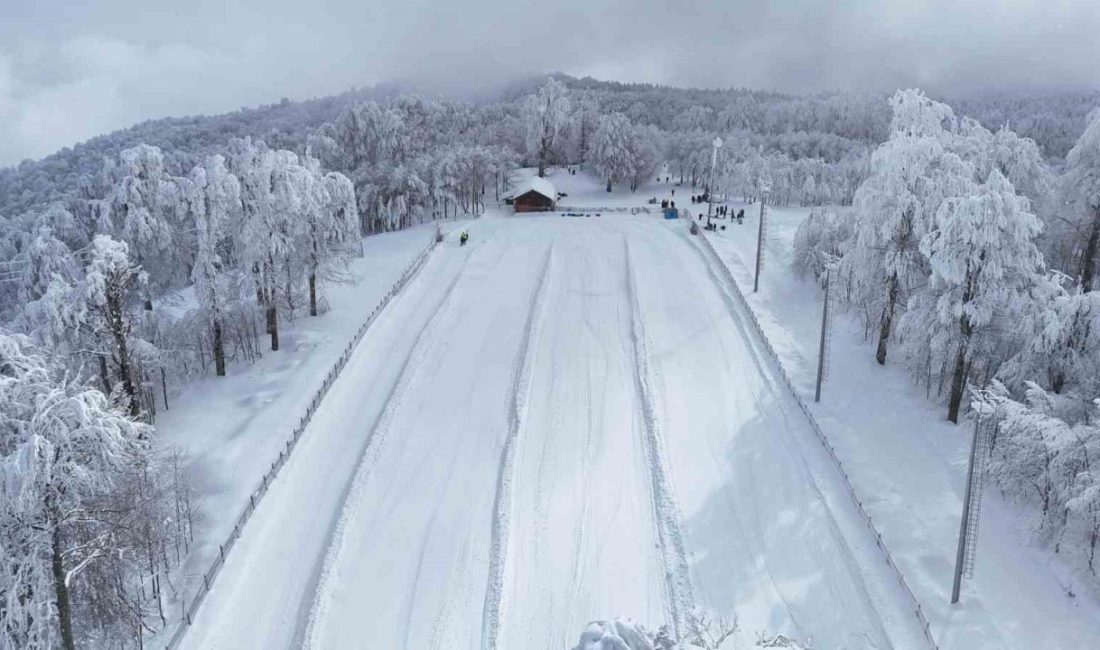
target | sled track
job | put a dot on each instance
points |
(680, 593)
(493, 607)
(739, 309)
(189, 612)
(371, 451)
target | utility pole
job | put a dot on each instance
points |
(716, 145)
(824, 334)
(968, 526)
(760, 237)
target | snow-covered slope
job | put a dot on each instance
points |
(561, 421)
(909, 466)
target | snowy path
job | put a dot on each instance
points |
(275, 565)
(410, 569)
(582, 537)
(773, 537)
(561, 422)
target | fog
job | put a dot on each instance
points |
(69, 72)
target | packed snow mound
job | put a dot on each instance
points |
(619, 634)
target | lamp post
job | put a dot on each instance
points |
(716, 145)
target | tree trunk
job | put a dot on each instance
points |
(273, 326)
(958, 381)
(542, 162)
(115, 308)
(103, 375)
(219, 350)
(887, 321)
(1088, 258)
(312, 294)
(61, 592)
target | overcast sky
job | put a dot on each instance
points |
(73, 69)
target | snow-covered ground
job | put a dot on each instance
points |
(561, 421)
(908, 464)
(233, 427)
(570, 419)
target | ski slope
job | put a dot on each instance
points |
(564, 420)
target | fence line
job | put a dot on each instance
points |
(188, 610)
(728, 276)
(636, 209)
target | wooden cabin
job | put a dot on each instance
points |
(535, 195)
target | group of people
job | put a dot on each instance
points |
(700, 198)
(668, 203)
(464, 237)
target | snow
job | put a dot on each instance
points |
(559, 421)
(233, 427)
(570, 419)
(539, 185)
(909, 465)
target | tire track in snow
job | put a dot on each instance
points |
(353, 492)
(765, 364)
(670, 536)
(494, 605)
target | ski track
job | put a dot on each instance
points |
(681, 598)
(490, 626)
(247, 575)
(775, 394)
(434, 618)
(376, 440)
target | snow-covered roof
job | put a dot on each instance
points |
(536, 184)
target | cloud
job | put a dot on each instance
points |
(67, 76)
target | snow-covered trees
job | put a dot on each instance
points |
(144, 207)
(546, 115)
(1042, 454)
(1082, 194)
(912, 174)
(62, 449)
(215, 205)
(984, 262)
(611, 150)
(623, 151)
(103, 308)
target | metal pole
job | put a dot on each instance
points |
(964, 526)
(821, 347)
(759, 241)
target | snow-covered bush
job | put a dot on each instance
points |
(708, 634)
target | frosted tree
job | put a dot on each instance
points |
(586, 116)
(1082, 194)
(330, 223)
(264, 240)
(546, 115)
(143, 208)
(1062, 346)
(612, 157)
(983, 261)
(809, 191)
(215, 206)
(110, 283)
(62, 446)
(912, 173)
(47, 258)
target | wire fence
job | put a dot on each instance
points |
(588, 209)
(915, 604)
(188, 609)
